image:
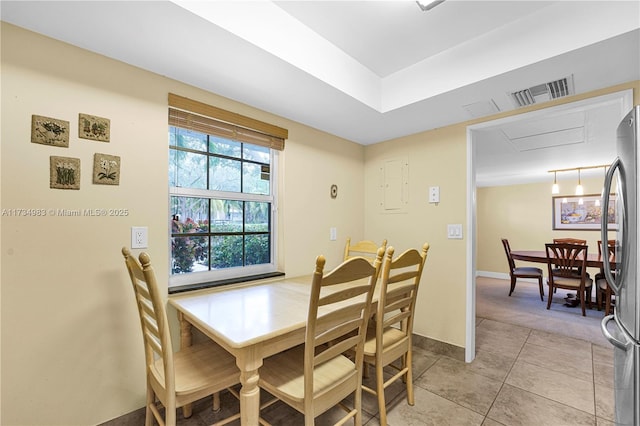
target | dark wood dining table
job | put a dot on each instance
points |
(594, 260)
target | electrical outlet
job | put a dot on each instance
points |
(139, 237)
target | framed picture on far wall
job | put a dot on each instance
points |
(583, 212)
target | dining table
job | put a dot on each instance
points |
(252, 322)
(594, 260)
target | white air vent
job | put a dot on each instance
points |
(543, 92)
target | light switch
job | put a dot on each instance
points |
(333, 234)
(454, 231)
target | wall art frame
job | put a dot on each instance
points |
(94, 128)
(49, 131)
(106, 169)
(570, 214)
(64, 172)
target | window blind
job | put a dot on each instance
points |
(193, 115)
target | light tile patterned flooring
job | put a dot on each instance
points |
(521, 376)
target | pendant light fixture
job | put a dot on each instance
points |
(555, 189)
(579, 189)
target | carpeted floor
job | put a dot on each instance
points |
(525, 308)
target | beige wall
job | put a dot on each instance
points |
(436, 158)
(71, 345)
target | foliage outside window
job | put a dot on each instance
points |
(221, 206)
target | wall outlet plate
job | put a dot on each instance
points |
(139, 237)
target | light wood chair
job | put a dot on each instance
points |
(365, 248)
(389, 334)
(522, 271)
(604, 293)
(563, 260)
(316, 376)
(180, 378)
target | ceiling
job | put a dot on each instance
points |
(372, 71)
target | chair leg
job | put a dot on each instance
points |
(409, 377)
(541, 288)
(513, 285)
(551, 291)
(149, 414)
(582, 297)
(380, 394)
(607, 299)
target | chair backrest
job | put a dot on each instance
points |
(569, 241)
(153, 318)
(611, 248)
(507, 251)
(365, 248)
(563, 260)
(338, 315)
(399, 282)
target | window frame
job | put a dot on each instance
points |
(211, 278)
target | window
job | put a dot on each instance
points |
(222, 199)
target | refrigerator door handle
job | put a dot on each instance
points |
(615, 342)
(604, 226)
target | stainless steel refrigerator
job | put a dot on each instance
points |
(622, 328)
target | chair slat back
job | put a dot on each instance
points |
(153, 317)
(339, 316)
(507, 251)
(365, 248)
(563, 260)
(570, 241)
(400, 280)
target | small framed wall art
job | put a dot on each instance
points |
(64, 172)
(49, 131)
(94, 128)
(106, 169)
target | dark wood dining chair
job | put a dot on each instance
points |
(521, 271)
(604, 293)
(563, 260)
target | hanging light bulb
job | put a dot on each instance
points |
(579, 189)
(555, 189)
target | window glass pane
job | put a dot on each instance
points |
(226, 216)
(225, 147)
(187, 139)
(257, 249)
(224, 174)
(260, 154)
(255, 179)
(189, 215)
(256, 216)
(189, 170)
(226, 251)
(189, 254)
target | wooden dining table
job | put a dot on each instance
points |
(594, 260)
(252, 322)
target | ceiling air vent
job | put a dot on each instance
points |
(543, 92)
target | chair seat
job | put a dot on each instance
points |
(194, 370)
(571, 282)
(390, 337)
(602, 284)
(527, 272)
(283, 374)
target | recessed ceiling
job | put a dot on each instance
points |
(365, 71)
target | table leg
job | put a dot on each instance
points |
(250, 392)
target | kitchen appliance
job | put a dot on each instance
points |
(622, 328)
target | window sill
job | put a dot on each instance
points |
(211, 284)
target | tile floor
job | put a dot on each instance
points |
(521, 376)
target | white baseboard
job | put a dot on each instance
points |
(501, 276)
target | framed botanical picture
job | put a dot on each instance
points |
(94, 128)
(106, 169)
(583, 212)
(49, 131)
(64, 172)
